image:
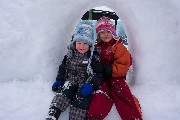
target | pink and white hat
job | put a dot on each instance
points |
(104, 23)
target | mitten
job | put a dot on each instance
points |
(97, 67)
(86, 89)
(103, 68)
(107, 70)
(57, 85)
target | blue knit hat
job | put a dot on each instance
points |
(84, 32)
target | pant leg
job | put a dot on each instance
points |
(101, 102)
(124, 100)
(79, 107)
(62, 100)
(77, 114)
(137, 104)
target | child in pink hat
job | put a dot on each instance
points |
(115, 62)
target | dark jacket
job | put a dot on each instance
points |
(74, 68)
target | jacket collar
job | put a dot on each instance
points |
(110, 43)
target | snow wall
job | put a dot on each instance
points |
(34, 35)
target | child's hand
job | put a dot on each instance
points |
(103, 68)
(57, 85)
(97, 67)
(86, 89)
(107, 70)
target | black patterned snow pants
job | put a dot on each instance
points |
(69, 95)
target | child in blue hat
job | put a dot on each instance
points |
(75, 80)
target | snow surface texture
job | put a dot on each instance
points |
(33, 39)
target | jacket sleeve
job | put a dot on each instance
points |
(122, 60)
(97, 78)
(62, 70)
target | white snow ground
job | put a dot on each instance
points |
(33, 39)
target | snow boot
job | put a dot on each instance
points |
(54, 113)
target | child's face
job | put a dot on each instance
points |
(82, 46)
(105, 36)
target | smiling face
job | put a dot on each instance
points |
(82, 46)
(105, 35)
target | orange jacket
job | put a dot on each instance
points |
(120, 60)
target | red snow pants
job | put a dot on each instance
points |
(117, 90)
